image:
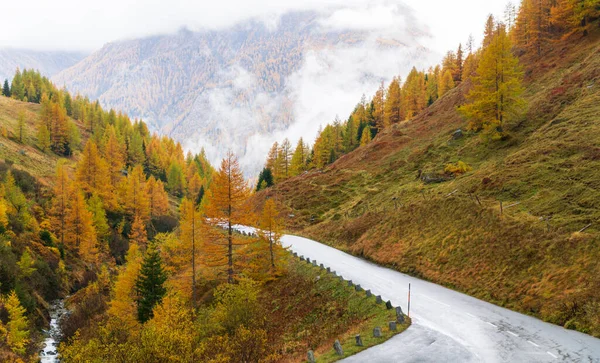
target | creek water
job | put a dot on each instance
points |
(49, 353)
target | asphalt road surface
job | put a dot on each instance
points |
(449, 326)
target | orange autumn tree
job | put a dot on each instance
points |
(134, 194)
(60, 203)
(157, 197)
(228, 206)
(92, 172)
(269, 252)
(79, 232)
(122, 306)
(192, 230)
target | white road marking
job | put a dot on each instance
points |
(434, 300)
(532, 343)
(473, 316)
(494, 325)
(552, 355)
(513, 334)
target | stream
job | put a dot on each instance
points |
(49, 353)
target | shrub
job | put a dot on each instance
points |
(459, 168)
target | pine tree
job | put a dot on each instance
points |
(18, 333)
(392, 107)
(496, 95)
(6, 89)
(149, 285)
(227, 207)
(265, 179)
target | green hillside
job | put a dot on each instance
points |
(392, 202)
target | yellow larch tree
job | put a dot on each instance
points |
(60, 202)
(79, 228)
(17, 327)
(134, 194)
(192, 232)
(123, 306)
(228, 206)
(92, 172)
(158, 199)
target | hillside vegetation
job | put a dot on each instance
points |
(503, 219)
(95, 208)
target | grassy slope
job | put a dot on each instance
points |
(550, 165)
(310, 309)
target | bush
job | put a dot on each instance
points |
(459, 168)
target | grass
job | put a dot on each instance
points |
(346, 313)
(25, 155)
(372, 203)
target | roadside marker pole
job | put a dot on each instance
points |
(408, 312)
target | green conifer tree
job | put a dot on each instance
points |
(149, 285)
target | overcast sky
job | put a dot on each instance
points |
(87, 25)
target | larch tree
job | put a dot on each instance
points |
(79, 232)
(270, 232)
(96, 207)
(114, 156)
(17, 327)
(366, 137)
(92, 172)
(123, 304)
(496, 94)
(157, 197)
(192, 230)
(60, 202)
(228, 206)
(298, 162)
(273, 162)
(488, 33)
(138, 233)
(392, 107)
(21, 126)
(414, 93)
(285, 158)
(135, 198)
(446, 83)
(379, 104)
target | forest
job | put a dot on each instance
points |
(494, 69)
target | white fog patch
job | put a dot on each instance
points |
(329, 83)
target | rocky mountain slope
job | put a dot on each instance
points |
(48, 63)
(217, 88)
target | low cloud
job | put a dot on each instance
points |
(329, 83)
